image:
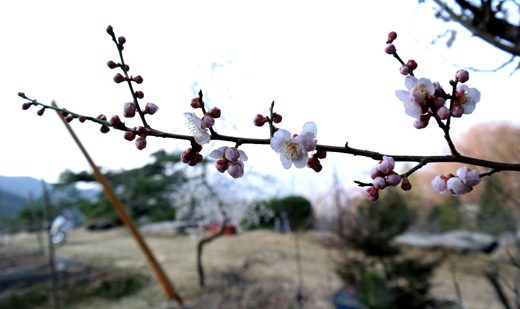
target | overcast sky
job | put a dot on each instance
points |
(322, 63)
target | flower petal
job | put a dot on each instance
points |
(402, 95)
(243, 156)
(311, 127)
(280, 137)
(286, 163)
(216, 154)
(413, 110)
(410, 82)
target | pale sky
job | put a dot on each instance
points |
(319, 62)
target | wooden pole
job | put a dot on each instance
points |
(168, 287)
(55, 304)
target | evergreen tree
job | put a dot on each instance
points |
(495, 216)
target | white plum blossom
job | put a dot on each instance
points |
(230, 159)
(295, 149)
(199, 132)
(461, 184)
(418, 90)
(467, 98)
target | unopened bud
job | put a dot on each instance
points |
(232, 154)
(118, 78)
(129, 110)
(115, 121)
(207, 121)
(198, 158)
(111, 64)
(21, 94)
(129, 135)
(462, 76)
(457, 111)
(379, 183)
(121, 40)
(390, 49)
(215, 112)
(412, 64)
(322, 154)
(110, 30)
(372, 194)
(260, 120)
(406, 185)
(392, 36)
(101, 117)
(393, 179)
(82, 118)
(142, 129)
(127, 67)
(69, 118)
(104, 129)
(64, 114)
(422, 121)
(405, 70)
(277, 118)
(138, 79)
(443, 113)
(139, 94)
(150, 108)
(195, 103)
(198, 148)
(26, 106)
(140, 142)
(315, 164)
(40, 111)
(439, 101)
(221, 165)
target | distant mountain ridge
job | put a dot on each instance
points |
(21, 185)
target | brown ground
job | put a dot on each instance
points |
(271, 282)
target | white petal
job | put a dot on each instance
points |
(202, 137)
(430, 90)
(412, 109)
(402, 95)
(243, 156)
(281, 136)
(468, 108)
(216, 154)
(410, 82)
(286, 163)
(302, 160)
(311, 127)
(457, 187)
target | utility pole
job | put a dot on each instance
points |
(52, 267)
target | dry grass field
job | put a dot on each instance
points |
(271, 281)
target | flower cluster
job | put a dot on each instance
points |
(192, 156)
(461, 184)
(229, 159)
(295, 148)
(383, 176)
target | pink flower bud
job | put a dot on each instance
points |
(405, 70)
(207, 121)
(322, 154)
(372, 194)
(69, 118)
(215, 112)
(438, 89)
(386, 165)
(439, 184)
(110, 30)
(187, 156)
(104, 129)
(139, 94)
(101, 117)
(277, 118)
(118, 78)
(140, 142)
(390, 49)
(406, 185)
(197, 159)
(439, 101)
(111, 64)
(232, 154)
(236, 170)
(129, 110)
(457, 111)
(462, 76)
(150, 108)
(375, 173)
(138, 79)
(21, 94)
(443, 113)
(121, 40)
(82, 118)
(198, 147)
(127, 67)
(221, 165)
(115, 121)
(64, 114)
(260, 120)
(422, 121)
(379, 183)
(129, 135)
(392, 36)
(142, 129)
(412, 64)
(195, 103)
(40, 111)
(393, 179)
(315, 164)
(26, 106)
